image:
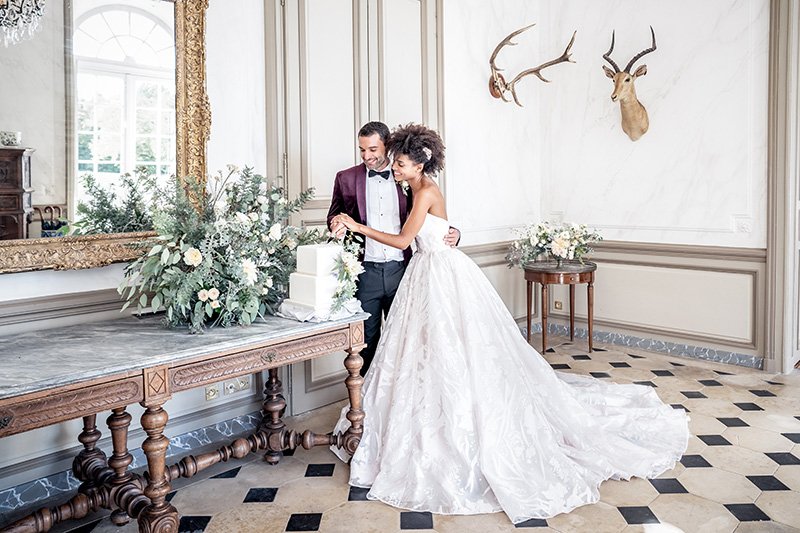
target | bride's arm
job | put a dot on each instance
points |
(422, 202)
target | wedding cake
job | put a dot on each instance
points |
(314, 284)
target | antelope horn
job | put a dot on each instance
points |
(607, 55)
(642, 53)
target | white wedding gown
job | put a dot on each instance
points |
(463, 416)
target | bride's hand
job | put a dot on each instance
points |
(346, 221)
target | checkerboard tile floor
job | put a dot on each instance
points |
(740, 473)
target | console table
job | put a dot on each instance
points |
(571, 273)
(60, 374)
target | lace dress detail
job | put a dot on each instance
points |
(463, 416)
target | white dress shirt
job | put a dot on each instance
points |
(383, 214)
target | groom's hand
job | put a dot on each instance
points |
(338, 229)
(452, 237)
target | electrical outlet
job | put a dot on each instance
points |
(230, 386)
(558, 305)
(212, 392)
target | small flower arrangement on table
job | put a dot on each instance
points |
(566, 241)
(223, 254)
(347, 270)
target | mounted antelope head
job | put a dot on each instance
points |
(634, 115)
(499, 88)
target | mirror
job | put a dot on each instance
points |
(104, 103)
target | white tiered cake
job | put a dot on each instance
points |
(314, 284)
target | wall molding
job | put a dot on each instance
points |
(58, 306)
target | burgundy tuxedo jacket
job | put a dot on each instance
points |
(350, 197)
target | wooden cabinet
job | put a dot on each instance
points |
(15, 192)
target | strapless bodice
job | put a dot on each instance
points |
(431, 235)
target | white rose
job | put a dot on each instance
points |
(275, 232)
(261, 199)
(253, 216)
(268, 283)
(213, 293)
(291, 243)
(281, 200)
(264, 291)
(215, 304)
(250, 271)
(202, 295)
(242, 218)
(192, 257)
(270, 251)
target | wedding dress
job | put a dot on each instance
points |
(463, 416)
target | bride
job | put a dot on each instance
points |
(463, 416)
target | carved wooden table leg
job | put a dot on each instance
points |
(90, 454)
(590, 294)
(571, 312)
(274, 404)
(545, 306)
(118, 424)
(530, 303)
(353, 362)
(160, 516)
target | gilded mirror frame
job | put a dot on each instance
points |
(193, 125)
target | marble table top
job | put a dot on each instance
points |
(40, 360)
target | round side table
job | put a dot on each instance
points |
(569, 273)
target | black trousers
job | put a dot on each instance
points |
(377, 286)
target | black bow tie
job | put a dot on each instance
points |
(384, 174)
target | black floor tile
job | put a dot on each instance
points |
(320, 470)
(600, 374)
(797, 417)
(288, 453)
(695, 461)
(746, 512)
(415, 520)
(550, 350)
(668, 486)
(721, 373)
(638, 515)
(193, 524)
(775, 383)
(636, 356)
(763, 393)
(559, 366)
(693, 394)
(171, 495)
(714, 440)
(646, 383)
(228, 473)
(710, 382)
(734, 422)
(533, 522)
(676, 364)
(304, 522)
(581, 357)
(679, 406)
(767, 483)
(662, 373)
(794, 437)
(599, 350)
(260, 495)
(619, 364)
(784, 458)
(357, 494)
(747, 406)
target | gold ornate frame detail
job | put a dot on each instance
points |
(193, 123)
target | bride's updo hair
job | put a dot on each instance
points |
(421, 144)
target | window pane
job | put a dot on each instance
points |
(146, 94)
(144, 150)
(168, 96)
(85, 147)
(85, 167)
(151, 169)
(145, 122)
(108, 168)
(108, 148)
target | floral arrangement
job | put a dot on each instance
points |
(223, 254)
(117, 208)
(347, 270)
(560, 241)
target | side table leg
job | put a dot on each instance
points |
(355, 414)
(160, 516)
(571, 312)
(90, 454)
(272, 423)
(530, 303)
(118, 424)
(545, 307)
(590, 291)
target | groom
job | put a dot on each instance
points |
(370, 195)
